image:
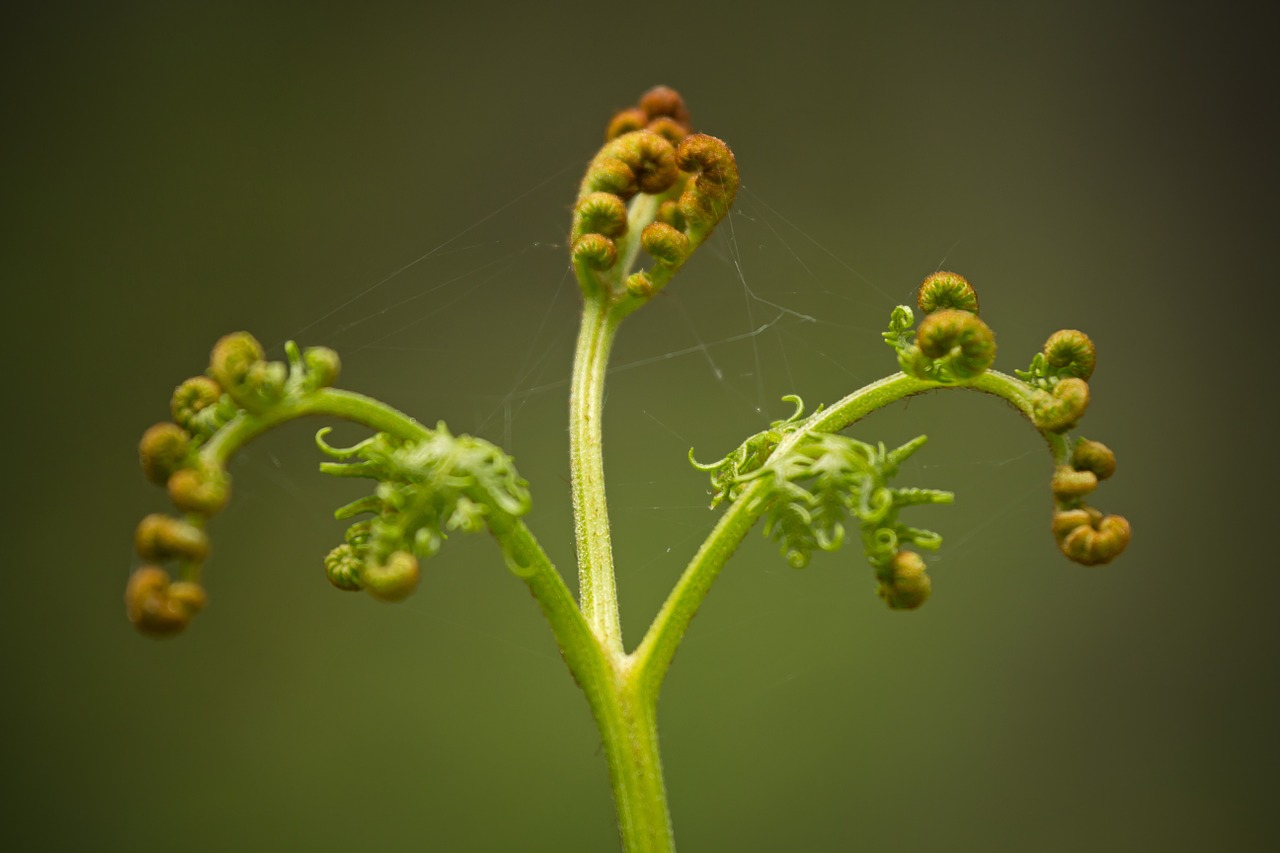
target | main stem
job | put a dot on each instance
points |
(623, 706)
(597, 593)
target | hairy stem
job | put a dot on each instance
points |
(597, 592)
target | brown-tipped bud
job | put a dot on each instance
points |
(610, 175)
(233, 357)
(323, 367)
(392, 580)
(625, 122)
(164, 449)
(669, 129)
(640, 284)
(664, 101)
(202, 490)
(708, 197)
(1067, 520)
(967, 343)
(947, 290)
(1094, 456)
(160, 537)
(1058, 411)
(669, 212)
(599, 213)
(1069, 484)
(1098, 542)
(191, 398)
(594, 251)
(654, 162)
(1071, 352)
(342, 567)
(665, 244)
(240, 367)
(160, 608)
(908, 585)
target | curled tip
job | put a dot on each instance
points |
(1058, 411)
(908, 585)
(203, 490)
(625, 122)
(669, 129)
(947, 290)
(342, 568)
(239, 365)
(664, 101)
(966, 344)
(708, 197)
(654, 161)
(159, 607)
(669, 212)
(599, 213)
(1094, 456)
(162, 451)
(323, 367)
(192, 397)
(1069, 484)
(1089, 538)
(1071, 352)
(640, 284)
(610, 175)
(160, 537)
(594, 251)
(393, 580)
(665, 244)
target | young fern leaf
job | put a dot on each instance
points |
(426, 489)
(823, 483)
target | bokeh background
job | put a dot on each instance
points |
(173, 171)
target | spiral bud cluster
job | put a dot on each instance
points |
(692, 179)
(1084, 534)
(1059, 373)
(661, 110)
(240, 384)
(952, 345)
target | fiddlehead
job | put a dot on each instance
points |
(653, 185)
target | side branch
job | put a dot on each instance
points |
(652, 657)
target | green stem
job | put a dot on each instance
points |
(597, 592)
(653, 656)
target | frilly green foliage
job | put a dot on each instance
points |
(819, 485)
(426, 490)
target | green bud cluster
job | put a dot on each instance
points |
(952, 345)
(240, 383)
(822, 484)
(426, 490)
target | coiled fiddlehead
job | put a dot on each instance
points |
(653, 185)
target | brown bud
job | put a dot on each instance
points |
(1071, 351)
(625, 122)
(202, 490)
(1097, 543)
(664, 101)
(163, 450)
(156, 606)
(1069, 484)
(1094, 456)
(665, 244)
(160, 537)
(1058, 411)
(908, 585)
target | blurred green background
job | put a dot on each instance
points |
(177, 170)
